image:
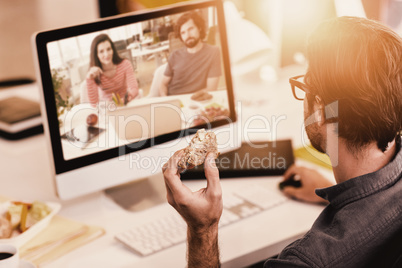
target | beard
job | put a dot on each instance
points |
(191, 42)
(314, 134)
(315, 137)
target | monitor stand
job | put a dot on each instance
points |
(140, 194)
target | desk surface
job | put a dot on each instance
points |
(26, 174)
(181, 116)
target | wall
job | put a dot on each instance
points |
(19, 19)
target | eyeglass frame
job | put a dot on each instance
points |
(295, 83)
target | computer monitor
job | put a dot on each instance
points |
(94, 146)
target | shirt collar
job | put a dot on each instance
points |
(365, 185)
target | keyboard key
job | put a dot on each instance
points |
(171, 230)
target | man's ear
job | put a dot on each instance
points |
(319, 113)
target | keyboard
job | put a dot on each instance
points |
(171, 229)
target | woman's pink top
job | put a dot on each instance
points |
(122, 82)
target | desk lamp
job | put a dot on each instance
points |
(249, 46)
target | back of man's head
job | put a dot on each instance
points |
(358, 62)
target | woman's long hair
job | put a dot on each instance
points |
(94, 60)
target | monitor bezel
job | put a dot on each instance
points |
(61, 165)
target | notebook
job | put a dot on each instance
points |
(19, 118)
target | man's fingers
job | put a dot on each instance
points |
(290, 172)
(170, 173)
(212, 173)
(169, 196)
(172, 162)
(164, 167)
(177, 190)
(292, 192)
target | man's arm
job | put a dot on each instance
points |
(163, 88)
(201, 210)
(212, 83)
(203, 249)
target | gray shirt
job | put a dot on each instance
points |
(189, 71)
(361, 227)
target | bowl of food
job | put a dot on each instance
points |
(20, 221)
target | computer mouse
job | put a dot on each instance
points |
(293, 181)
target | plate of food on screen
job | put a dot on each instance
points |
(211, 113)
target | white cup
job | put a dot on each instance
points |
(12, 261)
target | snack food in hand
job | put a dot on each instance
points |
(201, 144)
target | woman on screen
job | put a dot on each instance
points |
(110, 77)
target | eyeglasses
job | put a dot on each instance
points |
(299, 88)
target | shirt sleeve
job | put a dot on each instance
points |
(169, 70)
(215, 70)
(290, 257)
(285, 263)
(93, 94)
(132, 85)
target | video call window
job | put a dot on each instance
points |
(131, 83)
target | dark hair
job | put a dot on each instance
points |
(94, 60)
(198, 21)
(358, 62)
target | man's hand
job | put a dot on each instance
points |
(201, 210)
(310, 180)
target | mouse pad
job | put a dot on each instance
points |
(257, 159)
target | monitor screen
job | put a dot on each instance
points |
(129, 84)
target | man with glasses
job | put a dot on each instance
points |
(352, 94)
